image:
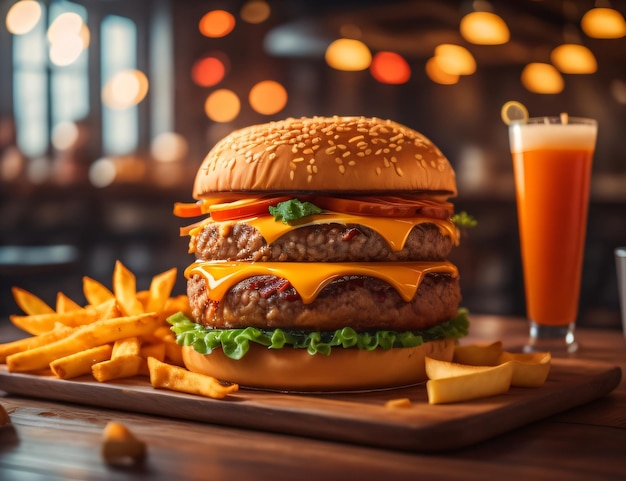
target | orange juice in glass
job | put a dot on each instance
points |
(552, 159)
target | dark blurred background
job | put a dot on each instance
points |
(107, 108)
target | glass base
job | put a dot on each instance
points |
(553, 339)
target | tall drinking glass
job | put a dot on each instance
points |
(552, 158)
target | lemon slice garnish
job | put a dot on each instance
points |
(513, 111)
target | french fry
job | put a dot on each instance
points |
(30, 303)
(42, 323)
(83, 337)
(117, 368)
(125, 289)
(156, 351)
(107, 310)
(95, 292)
(451, 382)
(119, 444)
(65, 304)
(174, 353)
(160, 290)
(128, 346)
(478, 354)
(403, 402)
(176, 304)
(80, 363)
(59, 332)
(489, 382)
(168, 376)
(124, 362)
(529, 369)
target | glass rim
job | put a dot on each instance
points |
(554, 120)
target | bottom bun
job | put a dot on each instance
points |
(344, 370)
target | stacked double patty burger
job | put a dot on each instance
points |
(322, 262)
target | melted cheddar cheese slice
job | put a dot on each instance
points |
(309, 278)
(394, 230)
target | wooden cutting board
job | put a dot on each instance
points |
(360, 418)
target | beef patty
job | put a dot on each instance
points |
(364, 303)
(318, 243)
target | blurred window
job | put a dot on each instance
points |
(120, 127)
(45, 92)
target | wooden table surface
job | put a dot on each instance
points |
(54, 441)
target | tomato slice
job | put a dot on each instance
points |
(244, 208)
(386, 206)
(182, 209)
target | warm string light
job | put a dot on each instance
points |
(572, 58)
(348, 54)
(542, 78)
(484, 28)
(601, 22)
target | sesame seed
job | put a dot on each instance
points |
(352, 163)
(309, 179)
(338, 160)
(378, 170)
(356, 138)
(346, 154)
(307, 151)
(342, 169)
(399, 171)
(309, 169)
(298, 159)
(314, 168)
(330, 150)
(292, 174)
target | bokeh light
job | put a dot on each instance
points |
(23, 16)
(125, 89)
(455, 59)
(603, 22)
(542, 78)
(102, 172)
(484, 28)
(268, 97)
(68, 23)
(390, 68)
(222, 105)
(348, 54)
(208, 71)
(437, 75)
(216, 24)
(574, 59)
(169, 147)
(68, 37)
(255, 11)
(65, 135)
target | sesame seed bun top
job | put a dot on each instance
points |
(329, 154)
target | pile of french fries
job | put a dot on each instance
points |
(482, 370)
(119, 334)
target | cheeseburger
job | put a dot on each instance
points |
(321, 258)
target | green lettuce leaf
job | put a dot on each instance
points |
(464, 220)
(293, 209)
(236, 342)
